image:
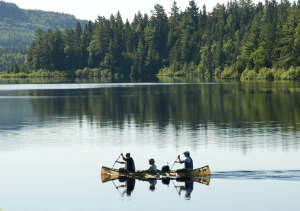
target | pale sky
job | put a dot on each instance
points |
(90, 9)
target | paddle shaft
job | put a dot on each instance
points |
(175, 187)
(174, 163)
(116, 188)
(116, 161)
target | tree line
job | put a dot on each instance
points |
(234, 39)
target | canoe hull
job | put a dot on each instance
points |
(108, 174)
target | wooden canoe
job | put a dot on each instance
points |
(108, 174)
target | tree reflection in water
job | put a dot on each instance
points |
(228, 110)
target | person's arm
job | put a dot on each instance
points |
(121, 162)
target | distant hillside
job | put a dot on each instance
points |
(17, 26)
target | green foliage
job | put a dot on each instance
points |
(10, 56)
(93, 73)
(230, 73)
(17, 72)
(292, 74)
(271, 74)
(17, 26)
(241, 40)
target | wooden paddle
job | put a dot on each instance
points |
(176, 187)
(116, 161)
(116, 188)
(174, 162)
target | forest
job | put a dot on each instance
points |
(240, 40)
(18, 26)
(11, 56)
(17, 29)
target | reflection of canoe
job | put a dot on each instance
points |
(197, 175)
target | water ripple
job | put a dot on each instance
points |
(289, 175)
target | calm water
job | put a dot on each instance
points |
(54, 138)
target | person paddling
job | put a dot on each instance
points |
(188, 162)
(128, 161)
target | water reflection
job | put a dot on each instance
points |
(285, 175)
(197, 105)
(183, 186)
(235, 112)
(47, 133)
(188, 188)
(128, 186)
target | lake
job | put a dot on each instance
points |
(54, 138)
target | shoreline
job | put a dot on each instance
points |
(228, 74)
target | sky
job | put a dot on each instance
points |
(91, 9)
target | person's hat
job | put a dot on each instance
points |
(127, 154)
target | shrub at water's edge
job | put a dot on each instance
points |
(34, 74)
(293, 73)
(85, 73)
(93, 73)
(231, 73)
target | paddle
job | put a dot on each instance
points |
(116, 188)
(174, 162)
(176, 188)
(116, 161)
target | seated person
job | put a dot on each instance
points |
(153, 167)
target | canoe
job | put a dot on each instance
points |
(108, 174)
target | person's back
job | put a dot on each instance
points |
(188, 163)
(130, 164)
(153, 168)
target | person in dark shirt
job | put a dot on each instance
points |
(128, 161)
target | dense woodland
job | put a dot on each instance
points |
(240, 40)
